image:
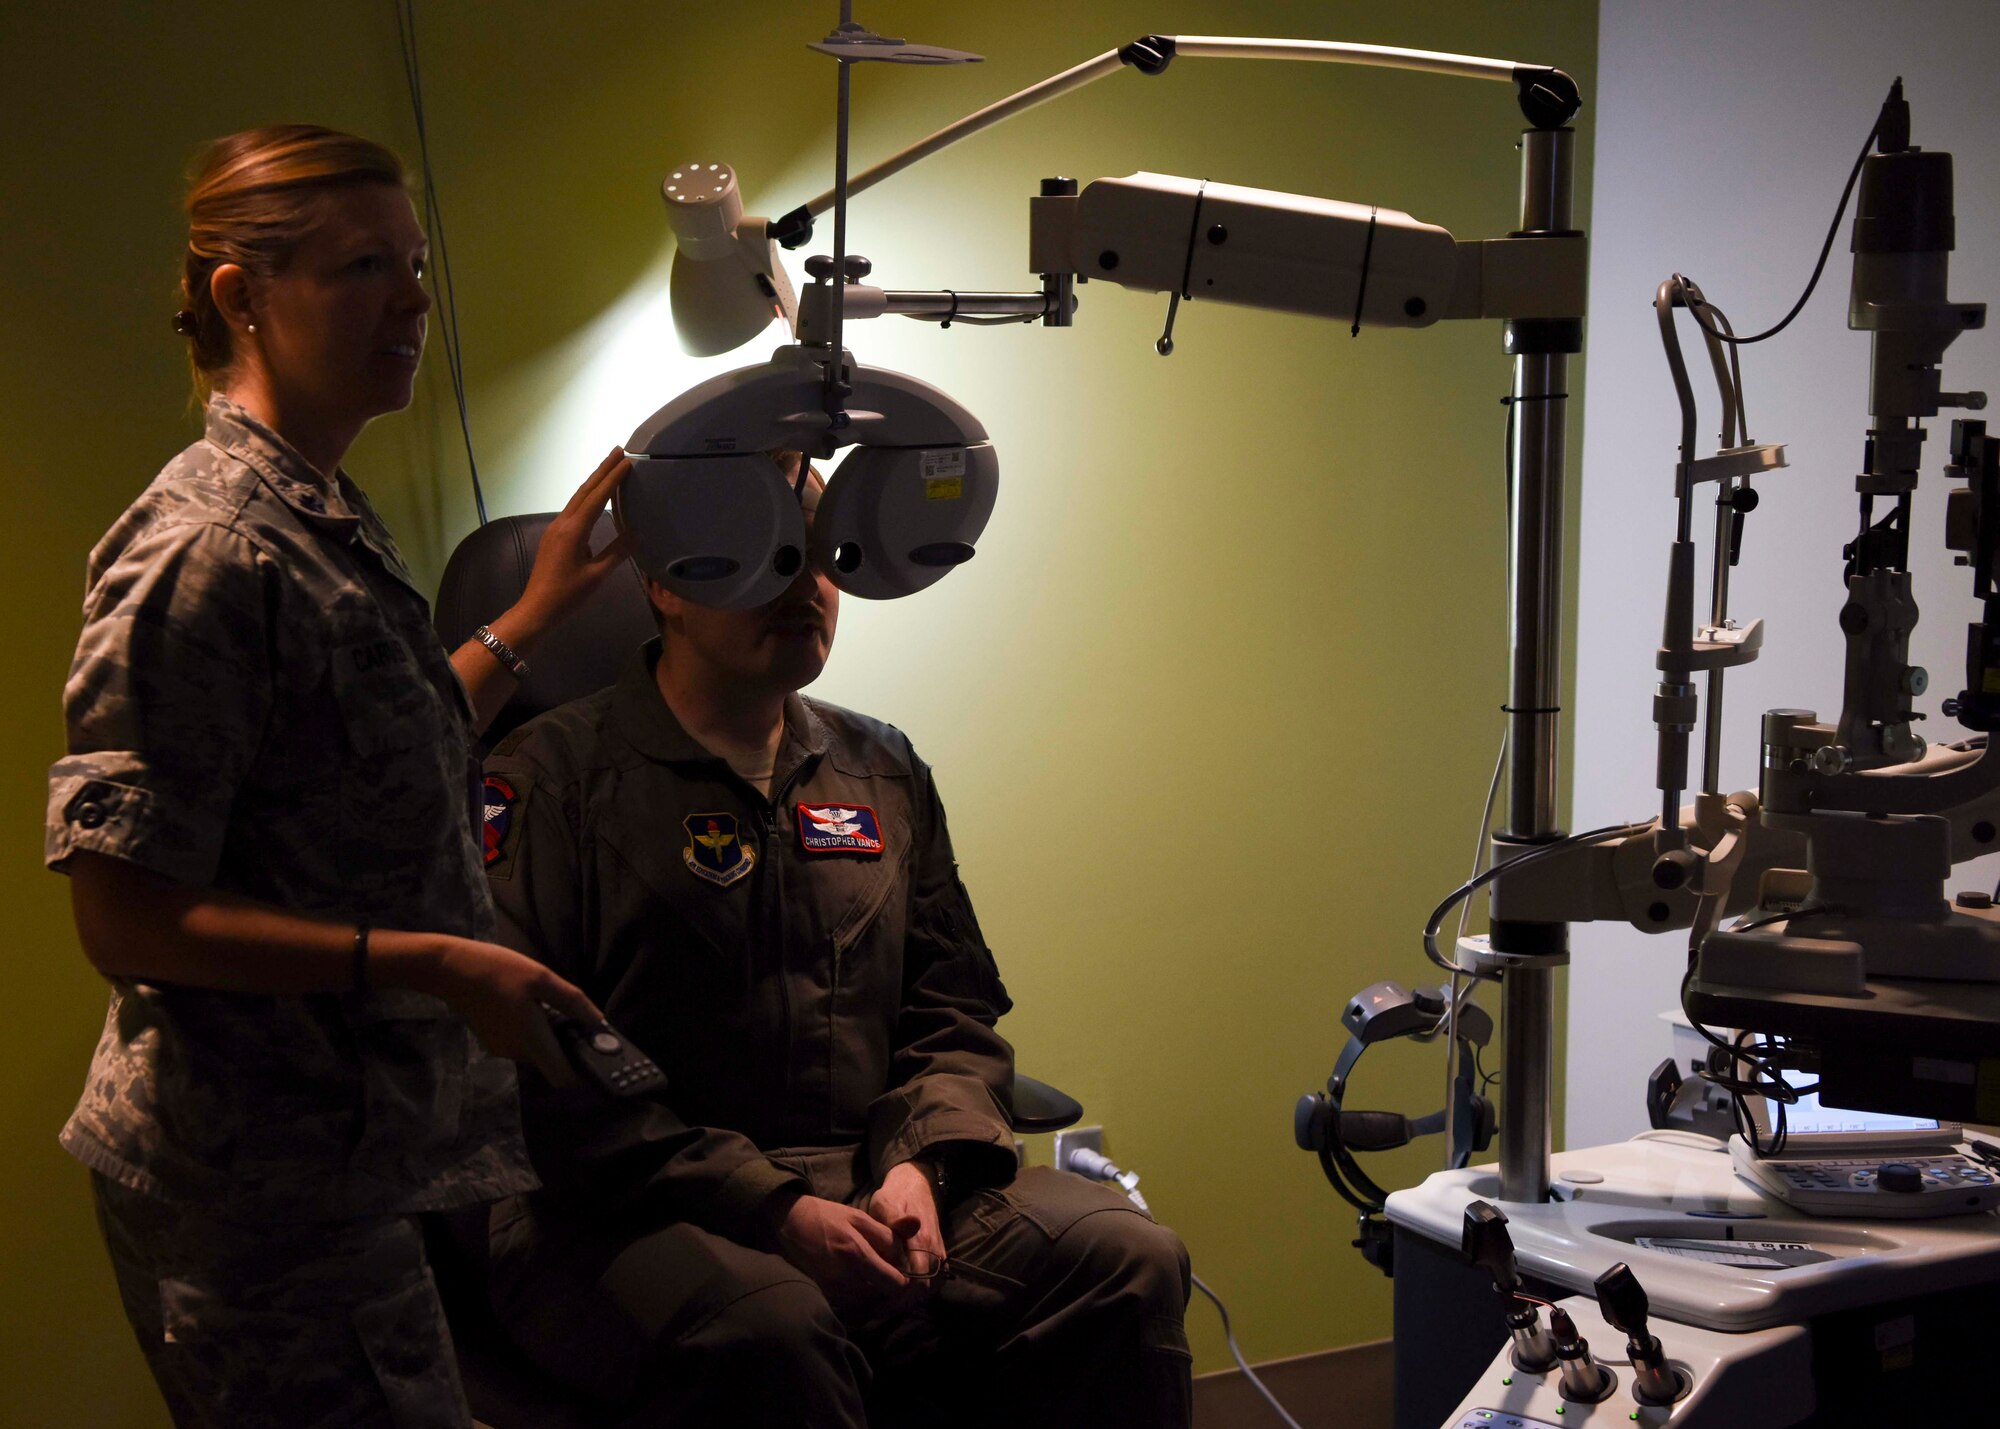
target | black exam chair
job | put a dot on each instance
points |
(486, 575)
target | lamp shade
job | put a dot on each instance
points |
(719, 306)
(727, 283)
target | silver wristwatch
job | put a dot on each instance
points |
(503, 652)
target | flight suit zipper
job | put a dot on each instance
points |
(838, 948)
(773, 853)
(775, 921)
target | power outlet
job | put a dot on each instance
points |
(1088, 1137)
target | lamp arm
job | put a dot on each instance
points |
(1548, 96)
(1342, 52)
(794, 230)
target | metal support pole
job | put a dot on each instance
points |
(1535, 551)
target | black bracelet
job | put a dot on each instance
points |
(361, 957)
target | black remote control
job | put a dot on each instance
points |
(605, 1057)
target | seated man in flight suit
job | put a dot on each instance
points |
(820, 1221)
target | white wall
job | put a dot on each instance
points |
(1724, 133)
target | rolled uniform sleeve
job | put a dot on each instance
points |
(600, 1156)
(952, 1073)
(166, 702)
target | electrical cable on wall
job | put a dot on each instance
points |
(443, 296)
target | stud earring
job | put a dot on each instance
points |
(250, 327)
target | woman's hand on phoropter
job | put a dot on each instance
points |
(565, 571)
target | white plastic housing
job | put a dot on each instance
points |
(721, 531)
(897, 519)
(727, 283)
(1257, 248)
(703, 209)
(777, 406)
(924, 481)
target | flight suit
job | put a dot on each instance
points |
(259, 704)
(807, 971)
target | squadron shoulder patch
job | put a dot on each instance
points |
(839, 828)
(715, 851)
(500, 799)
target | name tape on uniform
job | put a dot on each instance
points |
(839, 828)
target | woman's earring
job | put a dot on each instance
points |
(249, 327)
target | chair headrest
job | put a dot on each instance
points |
(487, 573)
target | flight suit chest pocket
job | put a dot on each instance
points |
(864, 905)
(854, 893)
(863, 910)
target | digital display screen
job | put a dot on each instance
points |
(1807, 1116)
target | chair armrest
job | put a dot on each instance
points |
(1041, 1107)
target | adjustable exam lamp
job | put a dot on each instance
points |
(1548, 98)
(726, 283)
(713, 516)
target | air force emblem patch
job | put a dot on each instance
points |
(499, 801)
(839, 828)
(714, 851)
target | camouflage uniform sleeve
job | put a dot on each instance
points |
(598, 1156)
(166, 702)
(952, 1074)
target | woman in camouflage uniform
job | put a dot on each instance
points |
(265, 818)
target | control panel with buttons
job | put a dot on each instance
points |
(1898, 1185)
(604, 1057)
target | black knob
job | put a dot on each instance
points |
(856, 267)
(1674, 868)
(1744, 499)
(820, 266)
(1621, 1299)
(1899, 1176)
(1487, 1245)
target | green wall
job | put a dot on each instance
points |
(1215, 706)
